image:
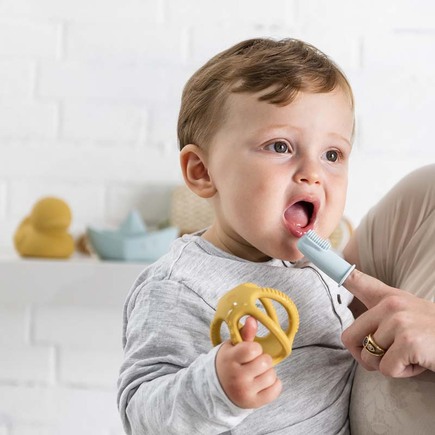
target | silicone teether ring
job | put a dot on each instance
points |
(240, 302)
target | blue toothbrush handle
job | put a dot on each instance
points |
(325, 259)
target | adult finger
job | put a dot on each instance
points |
(366, 323)
(398, 362)
(381, 340)
(379, 325)
(370, 291)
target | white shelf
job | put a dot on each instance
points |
(80, 280)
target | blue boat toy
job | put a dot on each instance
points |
(131, 241)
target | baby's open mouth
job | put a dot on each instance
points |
(300, 217)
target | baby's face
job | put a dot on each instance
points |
(279, 172)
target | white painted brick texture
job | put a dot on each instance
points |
(85, 10)
(137, 43)
(28, 120)
(78, 327)
(61, 345)
(26, 364)
(89, 98)
(23, 37)
(235, 12)
(61, 411)
(90, 368)
(3, 199)
(121, 82)
(16, 78)
(14, 325)
(104, 122)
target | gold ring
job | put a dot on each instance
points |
(372, 347)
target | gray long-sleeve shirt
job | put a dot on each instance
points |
(168, 382)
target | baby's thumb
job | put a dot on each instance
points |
(249, 330)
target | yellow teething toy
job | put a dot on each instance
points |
(240, 302)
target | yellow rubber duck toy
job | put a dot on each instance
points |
(44, 233)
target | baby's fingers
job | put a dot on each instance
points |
(249, 330)
(272, 389)
(265, 379)
(247, 351)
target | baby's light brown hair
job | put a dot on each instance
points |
(283, 68)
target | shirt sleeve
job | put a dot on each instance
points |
(395, 238)
(168, 382)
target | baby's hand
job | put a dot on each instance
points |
(245, 372)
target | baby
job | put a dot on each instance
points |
(265, 131)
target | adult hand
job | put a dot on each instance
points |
(245, 372)
(399, 322)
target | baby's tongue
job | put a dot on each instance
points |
(297, 215)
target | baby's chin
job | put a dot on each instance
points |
(297, 257)
(291, 255)
(293, 258)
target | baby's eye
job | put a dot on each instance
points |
(279, 147)
(332, 156)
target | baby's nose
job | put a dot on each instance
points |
(307, 172)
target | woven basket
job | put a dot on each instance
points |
(189, 212)
(341, 234)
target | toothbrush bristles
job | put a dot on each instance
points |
(322, 243)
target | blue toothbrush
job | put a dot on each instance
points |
(319, 252)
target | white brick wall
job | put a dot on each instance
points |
(26, 364)
(31, 37)
(89, 96)
(16, 79)
(102, 122)
(136, 43)
(60, 339)
(29, 121)
(89, 93)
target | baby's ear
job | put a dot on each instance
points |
(195, 172)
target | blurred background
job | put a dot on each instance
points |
(89, 96)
